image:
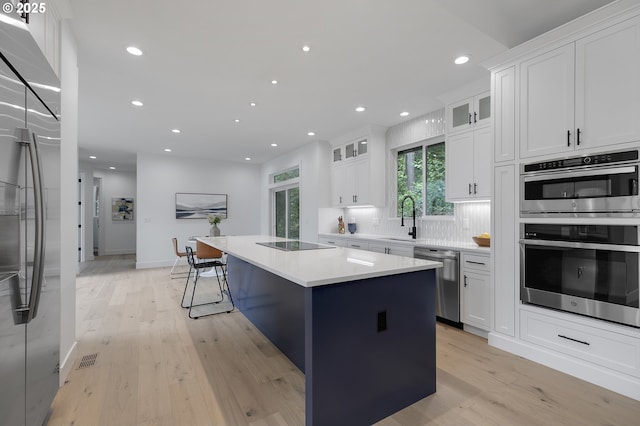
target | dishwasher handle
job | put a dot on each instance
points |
(426, 253)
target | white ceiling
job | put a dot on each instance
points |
(204, 61)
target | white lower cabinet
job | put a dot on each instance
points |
(357, 244)
(396, 249)
(599, 346)
(476, 291)
(332, 241)
(377, 245)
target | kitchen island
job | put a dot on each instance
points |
(360, 325)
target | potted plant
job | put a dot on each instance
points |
(214, 220)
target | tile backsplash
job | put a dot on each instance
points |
(469, 219)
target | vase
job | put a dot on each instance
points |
(214, 231)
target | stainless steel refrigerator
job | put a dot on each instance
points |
(29, 228)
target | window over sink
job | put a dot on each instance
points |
(420, 172)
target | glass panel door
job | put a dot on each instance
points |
(287, 212)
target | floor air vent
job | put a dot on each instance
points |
(87, 361)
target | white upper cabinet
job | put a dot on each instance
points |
(350, 151)
(608, 86)
(44, 27)
(357, 169)
(504, 114)
(546, 103)
(583, 95)
(469, 113)
(468, 168)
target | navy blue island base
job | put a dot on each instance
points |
(366, 347)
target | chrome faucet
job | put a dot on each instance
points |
(413, 202)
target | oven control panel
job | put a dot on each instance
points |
(588, 160)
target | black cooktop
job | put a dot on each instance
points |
(293, 245)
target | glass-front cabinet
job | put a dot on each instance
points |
(350, 151)
(469, 113)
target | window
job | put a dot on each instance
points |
(284, 176)
(287, 213)
(425, 184)
(436, 188)
(286, 204)
(410, 178)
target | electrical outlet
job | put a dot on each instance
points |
(382, 321)
(465, 223)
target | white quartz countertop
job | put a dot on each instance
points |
(310, 268)
(443, 244)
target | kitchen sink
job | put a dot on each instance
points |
(405, 240)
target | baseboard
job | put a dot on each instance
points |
(117, 252)
(67, 363)
(617, 382)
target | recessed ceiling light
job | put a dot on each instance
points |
(253, 104)
(237, 120)
(274, 81)
(404, 114)
(137, 103)
(93, 157)
(111, 168)
(274, 144)
(306, 48)
(311, 134)
(247, 158)
(360, 108)
(134, 51)
(463, 59)
(167, 150)
(176, 130)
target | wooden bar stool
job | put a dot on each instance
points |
(211, 258)
(179, 255)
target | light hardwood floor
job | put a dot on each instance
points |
(155, 366)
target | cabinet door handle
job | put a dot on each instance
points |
(469, 189)
(355, 246)
(568, 137)
(475, 188)
(574, 340)
(341, 199)
(475, 117)
(469, 118)
(578, 136)
(465, 281)
(475, 263)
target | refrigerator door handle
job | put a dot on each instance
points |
(25, 137)
(38, 261)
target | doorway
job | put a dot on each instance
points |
(97, 183)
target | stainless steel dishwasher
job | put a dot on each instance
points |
(447, 281)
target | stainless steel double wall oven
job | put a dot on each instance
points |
(587, 266)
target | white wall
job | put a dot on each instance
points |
(315, 190)
(161, 176)
(116, 237)
(68, 199)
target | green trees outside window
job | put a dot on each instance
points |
(412, 177)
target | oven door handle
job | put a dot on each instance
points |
(600, 171)
(578, 245)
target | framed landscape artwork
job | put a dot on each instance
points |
(121, 208)
(199, 206)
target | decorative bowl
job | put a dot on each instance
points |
(482, 242)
